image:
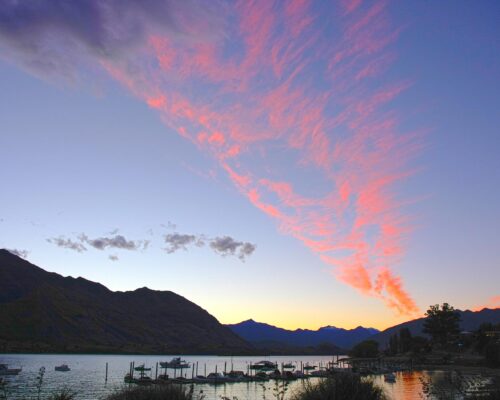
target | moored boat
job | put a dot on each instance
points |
(216, 378)
(200, 379)
(263, 366)
(390, 377)
(142, 368)
(175, 363)
(62, 368)
(5, 370)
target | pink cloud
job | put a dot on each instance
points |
(297, 116)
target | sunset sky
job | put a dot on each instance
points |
(299, 163)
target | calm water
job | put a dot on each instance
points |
(87, 375)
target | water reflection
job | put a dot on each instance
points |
(87, 375)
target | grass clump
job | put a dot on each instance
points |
(341, 386)
(156, 392)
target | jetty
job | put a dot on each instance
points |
(257, 372)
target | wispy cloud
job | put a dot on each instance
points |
(101, 243)
(113, 257)
(297, 113)
(58, 37)
(19, 252)
(68, 244)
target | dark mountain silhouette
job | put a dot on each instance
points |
(45, 312)
(263, 335)
(470, 321)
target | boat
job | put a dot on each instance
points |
(288, 366)
(5, 370)
(300, 375)
(175, 363)
(288, 376)
(216, 378)
(141, 368)
(128, 379)
(260, 377)
(181, 379)
(263, 366)
(200, 379)
(390, 377)
(236, 376)
(276, 374)
(141, 380)
(321, 373)
(309, 367)
(62, 368)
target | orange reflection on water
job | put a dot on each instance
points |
(408, 386)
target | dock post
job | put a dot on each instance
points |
(205, 370)
(196, 368)
(106, 379)
(225, 365)
(156, 373)
(133, 367)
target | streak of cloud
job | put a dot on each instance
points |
(298, 113)
(68, 244)
(113, 257)
(114, 242)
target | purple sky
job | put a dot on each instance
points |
(261, 158)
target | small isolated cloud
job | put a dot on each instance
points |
(115, 242)
(113, 257)
(226, 245)
(223, 245)
(169, 225)
(19, 253)
(68, 244)
(176, 241)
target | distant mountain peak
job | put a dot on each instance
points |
(256, 332)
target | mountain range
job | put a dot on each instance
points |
(45, 312)
(469, 321)
(42, 311)
(263, 335)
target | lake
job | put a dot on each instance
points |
(87, 375)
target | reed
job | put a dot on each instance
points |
(340, 386)
(156, 392)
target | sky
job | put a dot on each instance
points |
(299, 163)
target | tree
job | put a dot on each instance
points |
(405, 340)
(442, 324)
(368, 348)
(394, 344)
